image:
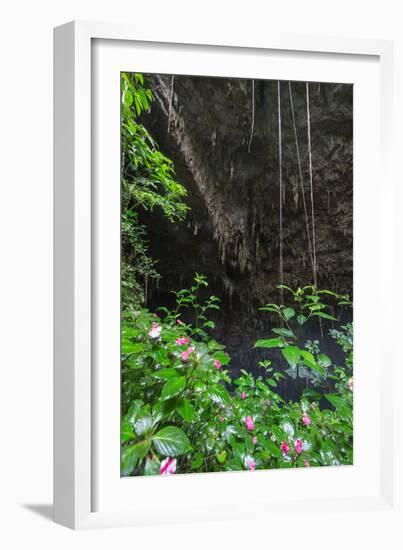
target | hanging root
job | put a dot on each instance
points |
(280, 170)
(171, 101)
(253, 115)
(315, 282)
(301, 180)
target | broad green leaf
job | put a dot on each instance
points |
(221, 457)
(130, 347)
(163, 409)
(278, 432)
(152, 467)
(134, 362)
(126, 431)
(309, 361)
(292, 354)
(129, 460)
(270, 343)
(229, 432)
(218, 394)
(235, 463)
(197, 461)
(201, 349)
(288, 428)
(273, 449)
(249, 447)
(132, 454)
(171, 441)
(288, 313)
(165, 373)
(324, 360)
(160, 355)
(328, 453)
(186, 410)
(133, 411)
(301, 319)
(142, 448)
(284, 332)
(324, 315)
(343, 408)
(173, 386)
(128, 98)
(328, 292)
(214, 346)
(199, 386)
(142, 423)
(222, 357)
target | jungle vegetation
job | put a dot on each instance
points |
(183, 409)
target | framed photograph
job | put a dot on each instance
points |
(222, 227)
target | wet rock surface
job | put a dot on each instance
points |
(231, 233)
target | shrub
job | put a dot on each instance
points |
(182, 412)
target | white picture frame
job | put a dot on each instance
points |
(86, 494)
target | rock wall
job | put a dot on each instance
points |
(232, 231)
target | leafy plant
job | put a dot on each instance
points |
(148, 176)
(148, 182)
(138, 268)
(182, 412)
(190, 299)
(304, 358)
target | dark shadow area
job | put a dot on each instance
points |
(43, 510)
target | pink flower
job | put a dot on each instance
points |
(182, 341)
(155, 331)
(350, 384)
(306, 463)
(298, 446)
(250, 463)
(284, 447)
(254, 440)
(243, 395)
(249, 423)
(179, 322)
(306, 419)
(217, 364)
(168, 466)
(185, 354)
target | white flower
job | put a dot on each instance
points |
(155, 331)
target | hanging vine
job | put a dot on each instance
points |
(280, 171)
(315, 282)
(170, 102)
(301, 179)
(253, 115)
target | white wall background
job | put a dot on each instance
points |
(26, 253)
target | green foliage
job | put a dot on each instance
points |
(178, 399)
(148, 176)
(138, 268)
(304, 358)
(148, 182)
(344, 337)
(190, 299)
